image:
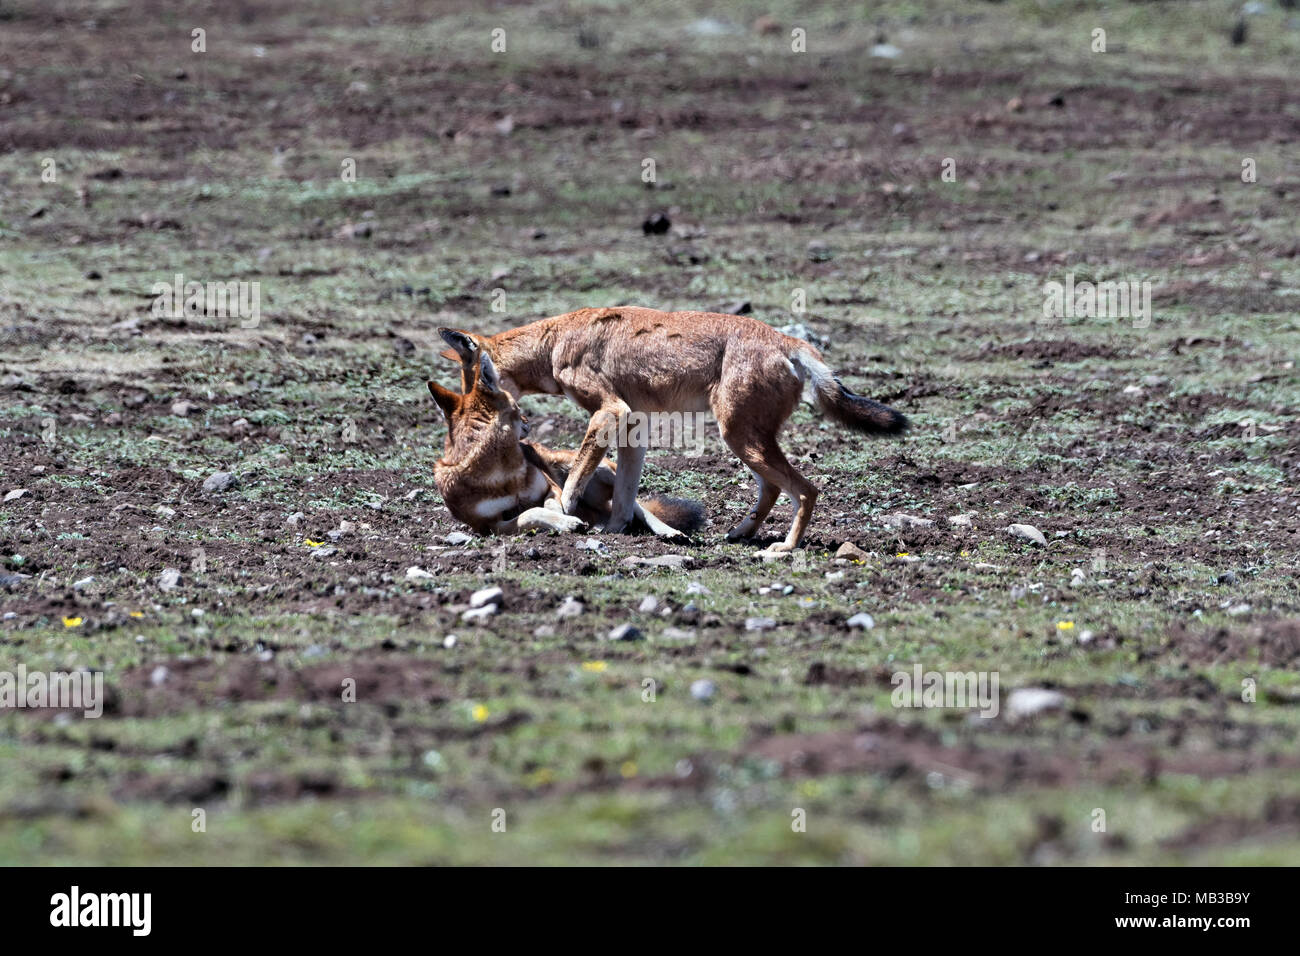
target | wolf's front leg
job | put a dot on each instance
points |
(601, 432)
(627, 479)
(541, 519)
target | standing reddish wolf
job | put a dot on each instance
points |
(614, 362)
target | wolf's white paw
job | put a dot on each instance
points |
(568, 523)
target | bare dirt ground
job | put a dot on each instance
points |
(321, 703)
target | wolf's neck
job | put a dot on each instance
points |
(524, 354)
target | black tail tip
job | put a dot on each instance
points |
(898, 423)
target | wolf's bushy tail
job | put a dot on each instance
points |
(839, 404)
(681, 513)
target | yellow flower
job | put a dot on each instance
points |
(628, 770)
(312, 544)
(965, 554)
(480, 713)
(901, 554)
(1065, 625)
(137, 613)
(810, 788)
(72, 622)
(540, 777)
(594, 667)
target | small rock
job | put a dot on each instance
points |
(476, 614)
(886, 51)
(158, 675)
(739, 307)
(170, 579)
(571, 607)
(83, 583)
(348, 230)
(293, 519)
(182, 409)
(656, 224)
(901, 520)
(544, 630)
(416, 573)
(449, 641)
(851, 552)
(458, 537)
(819, 251)
(1028, 532)
(15, 494)
(591, 544)
(962, 520)
(324, 552)
(649, 604)
(486, 596)
(759, 623)
(660, 561)
(626, 632)
(1029, 701)
(220, 481)
(695, 587)
(710, 27)
(703, 689)
(862, 620)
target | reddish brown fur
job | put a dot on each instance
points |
(613, 361)
(488, 477)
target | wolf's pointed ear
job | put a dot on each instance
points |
(462, 343)
(487, 374)
(447, 400)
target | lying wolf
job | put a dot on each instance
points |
(495, 482)
(614, 362)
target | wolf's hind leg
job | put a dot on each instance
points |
(767, 495)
